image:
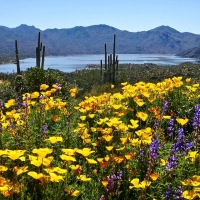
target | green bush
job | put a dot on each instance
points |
(34, 77)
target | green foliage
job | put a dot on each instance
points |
(6, 91)
(34, 77)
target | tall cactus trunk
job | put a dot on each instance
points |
(117, 65)
(43, 54)
(105, 49)
(38, 51)
(101, 71)
(17, 57)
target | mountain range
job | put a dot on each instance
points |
(91, 39)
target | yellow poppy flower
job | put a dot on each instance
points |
(3, 168)
(36, 162)
(67, 158)
(125, 83)
(116, 107)
(120, 149)
(166, 117)
(129, 156)
(73, 92)
(35, 175)
(162, 162)
(99, 159)
(108, 138)
(182, 121)
(54, 139)
(59, 170)
(189, 194)
(104, 183)
(55, 118)
(46, 161)
(21, 170)
(135, 142)
(107, 158)
(83, 178)
(124, 140)
(10, 103)
(109, 148)
(34, 95)
(70, 152)
(192, 155)
(42, 152)
(15, 154)
(56, 178)
(91, 161)
(43, 87)
(91, 115)
(85, 151)
(140, 185)
(75, 167)
(153, 176)
(93, 129)
(139, 102)
(82, 118)
(118, 159)
(75, 193)
(143, 116)
(188, 80)
(134, 124)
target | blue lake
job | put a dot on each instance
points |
(78, 62)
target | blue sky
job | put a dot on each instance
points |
(130, 15)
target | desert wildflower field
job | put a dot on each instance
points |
(141, 142)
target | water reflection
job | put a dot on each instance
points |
(77, 62)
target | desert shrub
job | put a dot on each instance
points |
(34, 77)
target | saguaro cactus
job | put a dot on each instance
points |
(111, 67)
(17, 57)
(38, 56)
(43, 54)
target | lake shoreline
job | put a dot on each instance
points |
(77, 62)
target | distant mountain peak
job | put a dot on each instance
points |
(23, 26)
(165, 29)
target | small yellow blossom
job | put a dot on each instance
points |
(43, 87)
(54, 139)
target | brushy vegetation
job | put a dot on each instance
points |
(138, 139)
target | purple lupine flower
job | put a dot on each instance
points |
(165, 107)
(44, 129)
(27, 98)
(169, 193)
(196, 119)
(170, 127)
(141, 152)
(67, 123)
(1, 103)
(24, 104)
(178, 193)
(41, 97)
(113, 180)
(58, 86)
(154, 146)
(172, 162)
(179, 144)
